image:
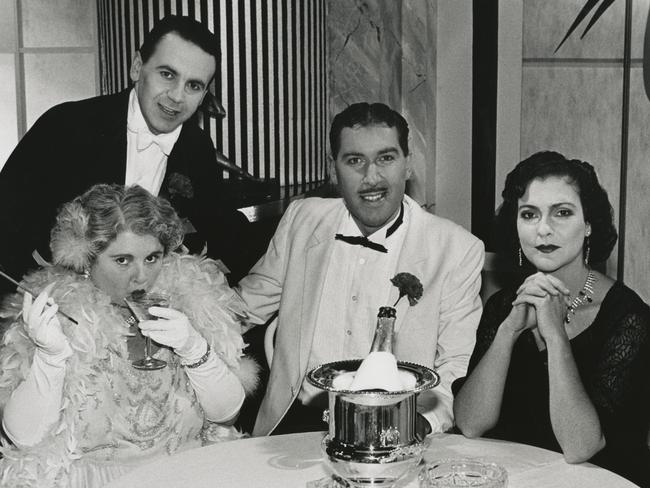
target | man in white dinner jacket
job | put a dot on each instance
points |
(328, 267)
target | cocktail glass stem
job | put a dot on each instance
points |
(147, 347)
(140, 309)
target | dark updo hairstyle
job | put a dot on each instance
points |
(582, 176)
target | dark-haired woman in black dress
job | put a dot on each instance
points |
(563, 361)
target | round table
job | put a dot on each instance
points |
(293, 460)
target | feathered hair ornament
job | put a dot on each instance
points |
(68, 242)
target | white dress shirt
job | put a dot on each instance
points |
(356, 285)
(146, 153)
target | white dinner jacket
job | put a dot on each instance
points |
(439, 331)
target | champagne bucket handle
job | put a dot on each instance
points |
(326, 416)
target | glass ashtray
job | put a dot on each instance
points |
(448, 473)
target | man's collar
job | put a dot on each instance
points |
(397, 222)
(350, 227)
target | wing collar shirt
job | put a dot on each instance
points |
(356, 285)
(146, 153)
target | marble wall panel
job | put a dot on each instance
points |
(640, 10)
(385, 51)
(415, 56)
(576, 111)
(364, 52)
(637, 221)
(418, 94)
(8, 111)
(546, 22)
(68, 23)
(54, 78)
(7, 26)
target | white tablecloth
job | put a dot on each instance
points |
(293, 460)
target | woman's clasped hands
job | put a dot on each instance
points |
(541, 302)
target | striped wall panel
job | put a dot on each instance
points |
(272, 81)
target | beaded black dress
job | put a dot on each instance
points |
(613, 359)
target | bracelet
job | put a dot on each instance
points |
(202, 360)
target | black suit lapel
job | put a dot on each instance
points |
(110, 144)
(177, 162)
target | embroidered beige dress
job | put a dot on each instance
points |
(135, 415)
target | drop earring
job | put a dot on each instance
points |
(86, 273)
(587, 250)
(521, 260)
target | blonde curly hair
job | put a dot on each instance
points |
(86, 226)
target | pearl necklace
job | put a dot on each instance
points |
(583, 296)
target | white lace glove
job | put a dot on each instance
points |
(44, 328)
(173, 329)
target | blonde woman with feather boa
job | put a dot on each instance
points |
(75, 411)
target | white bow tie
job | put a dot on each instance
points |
(146, 139)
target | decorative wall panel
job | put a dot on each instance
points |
(70, 23)
(547, 22)
(51, 57)
(53, 78)
(7, 26)
(572, 97)
(637, 217)
(576, 111)
(8, 112)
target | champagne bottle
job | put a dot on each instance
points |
(378, 371)
(383, 340)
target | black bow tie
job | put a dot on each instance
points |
(361, 241)
(365, 242)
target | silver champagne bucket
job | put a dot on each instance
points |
(372, 438)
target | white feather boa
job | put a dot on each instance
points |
(196, 287)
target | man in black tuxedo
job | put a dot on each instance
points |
(146, 135)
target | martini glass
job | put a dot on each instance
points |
(139, 306)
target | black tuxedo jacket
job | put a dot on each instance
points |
(78, 144)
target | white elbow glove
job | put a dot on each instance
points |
(173, 329)
(34, 406)
(218, 390)
(44, 328)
